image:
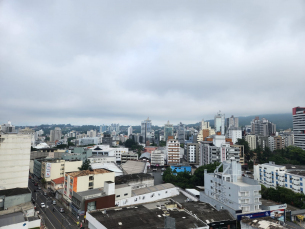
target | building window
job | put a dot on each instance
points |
(126, 194)
(91, 178)
(117, 196)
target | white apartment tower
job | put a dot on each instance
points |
(251, 139)
(298, 120)
(219, 123)
(129, 130)
(230, 190)
(15, 151)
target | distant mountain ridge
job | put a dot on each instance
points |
(282, 121)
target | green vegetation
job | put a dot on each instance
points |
(85, 165)
(162, 143)
(186, 179)
(131, 144)
(181, 145)
(62, 146)
(284, 195)
(290, 155)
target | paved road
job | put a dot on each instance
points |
(52, 219)
(157, 176)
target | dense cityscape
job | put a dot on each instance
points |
(80, 176)
(152, 114)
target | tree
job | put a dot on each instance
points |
(85, 165)
(248, 154)
(198, 177)
(162, 143)
(62, 146)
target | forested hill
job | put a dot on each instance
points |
(282, 121)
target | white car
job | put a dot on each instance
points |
(42, 205)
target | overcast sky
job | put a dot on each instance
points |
(101, 62)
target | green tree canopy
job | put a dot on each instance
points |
(85, 165)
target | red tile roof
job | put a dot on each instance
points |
(59, 180)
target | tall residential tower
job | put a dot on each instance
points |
(298, 120)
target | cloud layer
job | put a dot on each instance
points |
(121, 61)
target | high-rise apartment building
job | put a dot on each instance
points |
(234, 133)
(168, 130)
(298, 119)
(103, 128)
(146, 130)
(114, 127)
(193, 153)
(173, 151)
(91, 133)
(251, 139)
(232, 122)
(8, 128)
(129, 130)
(219, 123)
(181, 132)
(15, 151)
(262, 127)
(55, 134)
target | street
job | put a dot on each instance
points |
(52, 219)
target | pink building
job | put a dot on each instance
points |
(149, 149)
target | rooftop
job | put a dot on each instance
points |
(263, 223)
(131, 167)
(14, 191)
(59, 180)
(92, 192)
(109, 166)
(140, 216)
(150, 189)
(131, 177)
(87, 172)
(298, 172)
(207, 213)
(299, 167)
(12, 218)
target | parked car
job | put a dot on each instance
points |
(61, 210)
(45, 193)
(162, 174)
(154, 169)
(54, 202)
(33, 201)
(42, 205)
(39, 187)
(33, 181)
(163, 169)
(36, 184)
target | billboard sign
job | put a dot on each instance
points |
(254, 215)
(48, 170)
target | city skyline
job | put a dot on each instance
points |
(125, 61)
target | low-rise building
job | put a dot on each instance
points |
(127, 156)
(84, 180)
(102, 159)
(78, 153)
(145, 216)
(157, 158)
(93, 199)
(56, 168)
(57, 184)
(272, 175)
(136, 181)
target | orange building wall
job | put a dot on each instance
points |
(75, 184)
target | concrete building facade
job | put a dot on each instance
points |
(15, 150)
(298, 121)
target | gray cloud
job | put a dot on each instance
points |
(105, 61)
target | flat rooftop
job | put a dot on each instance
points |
(14, 191)
(207, 213)
(298, 172)
(87, 172)
(268, 202)
(150, 189)
(91, 192)
(131, 167)
(139, 217)
(133, 177)
(12, 218)
(300, 167)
